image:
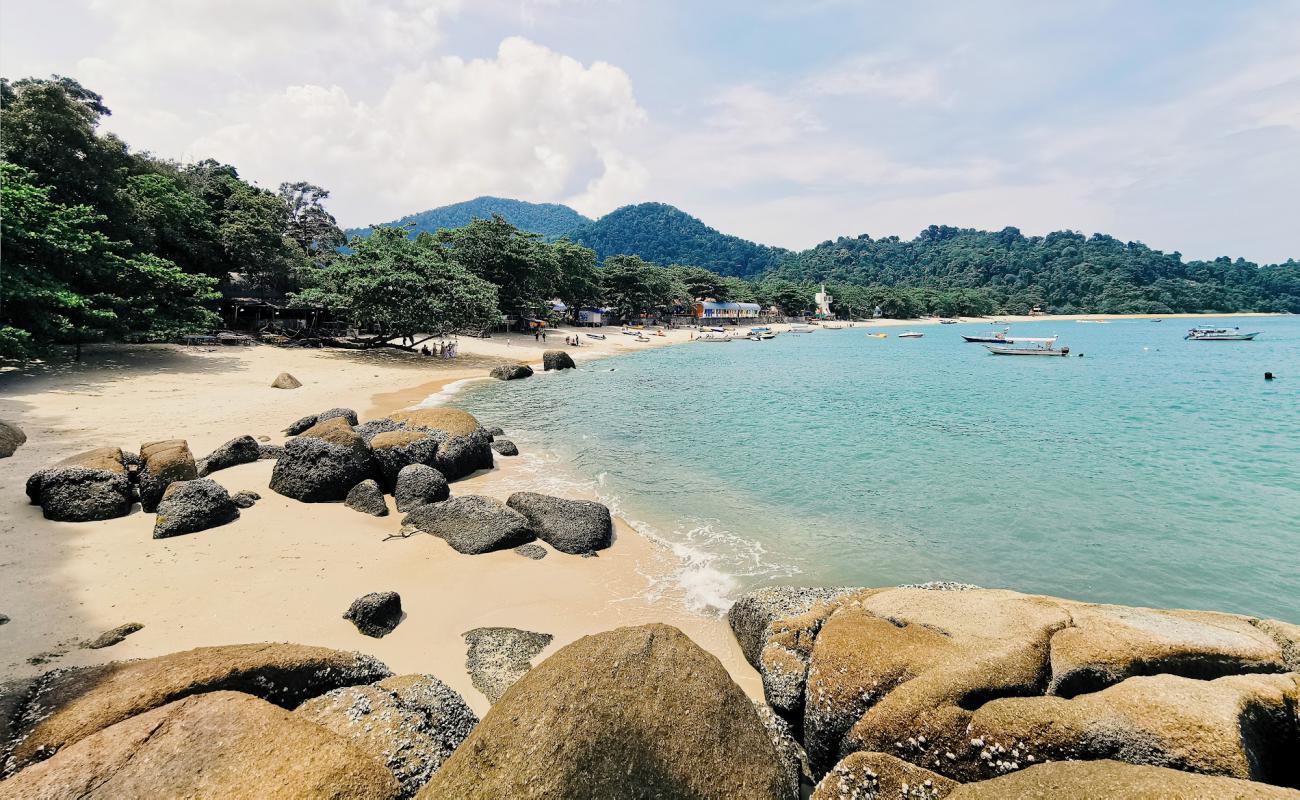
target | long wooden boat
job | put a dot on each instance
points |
(1036, 347)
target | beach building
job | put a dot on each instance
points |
(595, 317)
(714, 311)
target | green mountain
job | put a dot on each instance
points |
(666, 235)
(552, 220)
(1064, 272)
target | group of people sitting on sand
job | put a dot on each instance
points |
(441, 350)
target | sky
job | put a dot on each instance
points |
(786, 122)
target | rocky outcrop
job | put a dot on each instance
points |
(505, 447)
(243, 450)
(285, 381)
(418, 484)
(462, 456)
(245, 498)
(270, 452)
(634, 712)
(494, 431)
(161, 464)
(1114, 780)
(112, 636)
(794, 759)
(879, 776)
(512, 372)
(557, 359)
(223, 744)
(394, 450)
(973, 683)
(375, 614)
(323, 463)
(472, 524)
(12, 437)
(367, 498)
(304, 423)
(66, 706)
(497, 657)
(192, 506)
(410, 723)
(89, 486)
(374, 427)
(451, 421)
(577, 527)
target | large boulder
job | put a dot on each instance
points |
(367, 498)
(323, 463)
(304, 423)
(223, 744)
(12, 437)
(751, 617)
(1114, 780)
(451, 421)
(243, 450)
(472, 524)
(497, 657)
(461, 456)
(879, 776)
(634, 712)
(557, 359)
(65, 706)
(192, 506)
(161, 464)
(794, 759)
(570, 526)
(410, 723)
(369, 430)
(88, 486)
(285, 381)
(394, 450)
(511, 372)
(463, 445)
(418, 484)
(1239, 726)
(375, 614)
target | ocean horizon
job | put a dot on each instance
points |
(1144, 469)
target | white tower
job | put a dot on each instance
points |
(823, 301)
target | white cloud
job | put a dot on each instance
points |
(879, 76)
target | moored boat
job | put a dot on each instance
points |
(946, 321)
(799, 327)
(1036, 347)
(997, 337)
(878, 335)
(910, 335)
(1219, 335)
(713, 336)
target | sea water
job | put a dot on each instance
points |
(1143, 469)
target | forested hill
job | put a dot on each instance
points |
(552, 220)
(665, 235)
(1064, 272)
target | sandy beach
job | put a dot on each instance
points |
(286, 571)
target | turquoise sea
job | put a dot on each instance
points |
(1151, 471)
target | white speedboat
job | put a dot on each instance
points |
(799, 327)
(1029, 346)
(1219, 335)
(910, 335)
(832, 326)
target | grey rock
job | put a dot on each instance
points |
(395, 450)
(460, 456)
(494, 431)
(367, 498)
(192, 506)
(4, 619)
(245, 498)
(505, 447)
(375, 614)
(374, 427)
(418, 484)
(532, 550)
(112, 636)
(315, 470)
(243, 450)
(557, 359)
(512, 372)
(570, 526)
(472, 524)
(12, 437)
(304, 423)
(751, 616)
(89, 486)
(497, 657)
(270, 452)
(409, 723)
(792, 755)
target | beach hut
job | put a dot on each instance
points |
(709, 310)
(595, 317)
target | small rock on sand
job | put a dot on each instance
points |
(505, 447)
(4, 619)
(367, 498)
(111, 637)
(245, 498)
(531, 550)
(498, 657)
(285, 381)
(192, 506)
(11, 438)
(375, 614)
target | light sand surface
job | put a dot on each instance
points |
(285, 571)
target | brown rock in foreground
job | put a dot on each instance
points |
(161, 464)
(451, 421)
(878, 776)
(634, 712)
(1115, 780)
(220, 745)
(66, 706)
(285, 381)
(88, 486)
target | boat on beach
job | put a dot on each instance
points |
(832, 326)
(799, 327)
(599, 336)
(1219, 335)
(713, 336)
(949, 321)
(1035, 346)
(910, 335)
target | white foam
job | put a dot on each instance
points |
(449, 391)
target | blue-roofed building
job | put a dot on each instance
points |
(710, 310)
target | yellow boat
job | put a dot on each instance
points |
(878, 335)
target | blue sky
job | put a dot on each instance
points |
(1174, 123)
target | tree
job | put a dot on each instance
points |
(403, 287)
(524, 269)
(578, 283)
(252, 229)
(635, 288)
(309, 225)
